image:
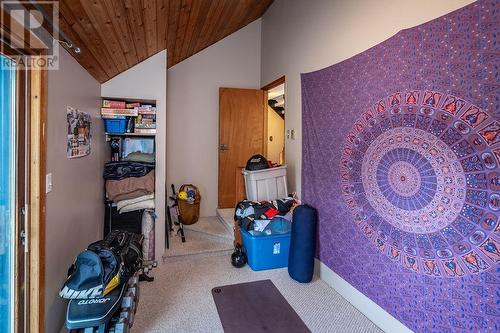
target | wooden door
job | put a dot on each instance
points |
(242, 131)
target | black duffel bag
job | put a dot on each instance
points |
(257, 162)
(103, 266)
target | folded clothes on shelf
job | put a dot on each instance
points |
(131, 187)
(142, 202)
(140, 157)
(123, 203)
(118, 170)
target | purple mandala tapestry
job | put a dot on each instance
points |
(401, 155)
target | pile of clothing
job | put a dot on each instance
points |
(130, 185)
(265, 217)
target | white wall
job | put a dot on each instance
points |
(302, 36)
(74, 208)
(148, 80)
(193, 108)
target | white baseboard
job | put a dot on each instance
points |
(366, 306)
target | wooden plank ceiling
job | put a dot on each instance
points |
(114, 35)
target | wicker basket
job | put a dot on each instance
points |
(189, 213)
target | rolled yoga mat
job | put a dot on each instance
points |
(303, 243)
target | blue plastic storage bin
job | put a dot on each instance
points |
(115, 125)
(266, 252)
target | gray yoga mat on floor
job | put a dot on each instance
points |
(255, 307)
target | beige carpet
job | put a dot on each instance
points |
(206, 237)
(180, 300)
(211, 226)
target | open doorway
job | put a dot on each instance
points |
(276, 124)
(251, 121)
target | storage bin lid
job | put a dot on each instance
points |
(246, 172)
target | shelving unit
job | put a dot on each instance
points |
(120, 145)
(138, 115)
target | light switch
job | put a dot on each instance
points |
(48, 183)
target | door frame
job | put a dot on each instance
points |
(274, 83)
(29, 304)
(37, 100)
(266, 88)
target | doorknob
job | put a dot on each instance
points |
(223, 147)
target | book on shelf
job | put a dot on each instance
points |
(145, 121)
(145, 125)
(132, 105)
(106, 103)
(119, 112)
(146, 109)
(145, 130)
(151, 112)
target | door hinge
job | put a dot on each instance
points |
(223, 147)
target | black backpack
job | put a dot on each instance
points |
(103, 266)
(257, 162)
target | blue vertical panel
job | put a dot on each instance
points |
(7, 192)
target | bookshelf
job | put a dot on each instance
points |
(126, 146)
(129, 116)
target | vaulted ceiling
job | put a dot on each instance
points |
(114, 35)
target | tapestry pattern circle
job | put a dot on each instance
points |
(419, 176)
